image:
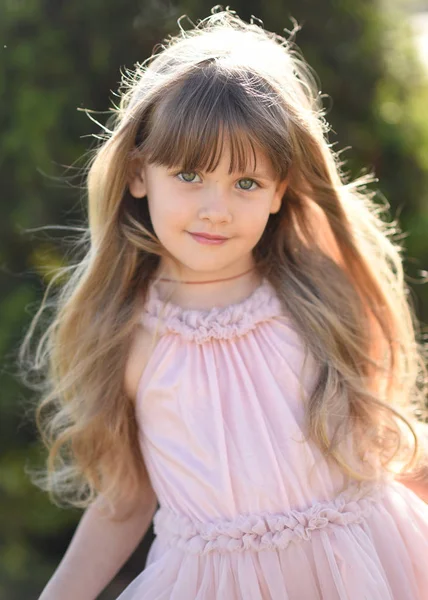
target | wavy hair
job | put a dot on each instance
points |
(330, 253)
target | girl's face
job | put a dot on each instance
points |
(236, 206)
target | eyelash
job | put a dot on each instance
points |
(242, 179)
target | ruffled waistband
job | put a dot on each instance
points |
(263, 531)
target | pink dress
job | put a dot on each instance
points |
(247, 510)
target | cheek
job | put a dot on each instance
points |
(162, 211)
(167, 215)
(255, 220)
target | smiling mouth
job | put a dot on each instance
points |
(203, 239)
(210, 236)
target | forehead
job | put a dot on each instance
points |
(254, 161)
(209, 117)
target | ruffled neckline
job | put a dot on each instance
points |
(216, 323)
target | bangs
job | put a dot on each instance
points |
(191, 123)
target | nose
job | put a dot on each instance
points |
(215, 206)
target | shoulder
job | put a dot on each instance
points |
(140, 348)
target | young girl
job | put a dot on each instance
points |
(236, 349)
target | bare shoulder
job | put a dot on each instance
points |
(140, 349)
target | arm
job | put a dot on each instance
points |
(418, 485)
(100, 545)
(417, 481)
(99, 548)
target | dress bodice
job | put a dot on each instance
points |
(249, 507)
(221, 409)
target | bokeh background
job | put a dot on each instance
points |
(59, 57)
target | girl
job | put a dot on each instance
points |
(236, 348)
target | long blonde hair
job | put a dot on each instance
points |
(330, 254)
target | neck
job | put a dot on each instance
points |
(216, 292)
(208, 281)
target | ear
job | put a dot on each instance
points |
(279, 194)
(136, 183)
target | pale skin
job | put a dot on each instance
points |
(235, 205)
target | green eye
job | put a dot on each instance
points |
(246, 184)
(187, 177)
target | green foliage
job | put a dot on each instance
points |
(59, 57)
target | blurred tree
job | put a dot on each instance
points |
(59, 57)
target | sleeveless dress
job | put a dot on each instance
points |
(249, 509)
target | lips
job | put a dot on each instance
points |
(210, 240)
(208, 236)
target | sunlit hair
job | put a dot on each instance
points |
(330, 254)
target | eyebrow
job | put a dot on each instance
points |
(257, 174)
